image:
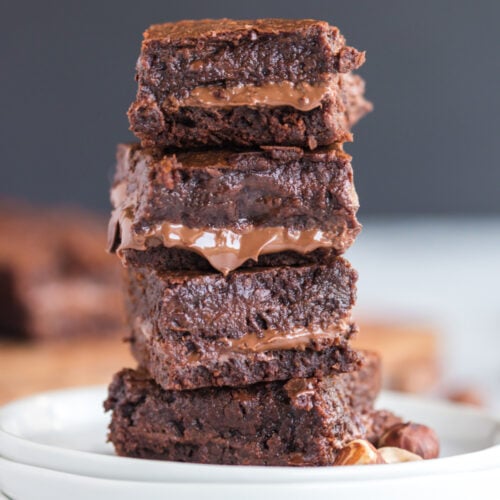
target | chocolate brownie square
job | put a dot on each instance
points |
(246, 83)
(297, 422)
(195, 328)
(233, 206)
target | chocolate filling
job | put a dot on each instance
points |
(299, 339)
(302, 96)
(225, 249)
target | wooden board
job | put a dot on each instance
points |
(27, 368)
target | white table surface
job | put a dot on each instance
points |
(445, 271)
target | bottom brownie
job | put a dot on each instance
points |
(298, 422)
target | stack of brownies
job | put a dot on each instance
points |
(229, 218)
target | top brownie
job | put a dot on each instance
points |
(177, 57)
(246, 83)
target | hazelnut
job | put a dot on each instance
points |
(358, 452)
(393, 455)
(415, 438)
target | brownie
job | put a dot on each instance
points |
(298, 422)
(190, 53)
(194, 328)
(274, 199)
(219, 366)
(56, 281)
(246, 83)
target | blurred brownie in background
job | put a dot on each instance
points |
(56, 280)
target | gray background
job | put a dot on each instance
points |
(433, 72)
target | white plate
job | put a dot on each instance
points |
(25, 482)
(66, 431)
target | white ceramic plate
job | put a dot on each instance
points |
(65, 431)
(24, 482)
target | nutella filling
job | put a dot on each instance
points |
(226, 249)
(273, 340)
(302, 96)
(299, 339)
